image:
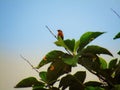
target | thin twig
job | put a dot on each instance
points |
(29, 63)
(51, 31)
(115, 12)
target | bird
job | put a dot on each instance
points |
(60, 34)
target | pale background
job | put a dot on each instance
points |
(22, 31)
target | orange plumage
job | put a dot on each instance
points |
(60, 34)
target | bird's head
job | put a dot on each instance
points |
(59, 30)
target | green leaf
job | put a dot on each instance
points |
(61, 43)
(77, 81)
(94, 88)
(93, 83)
(28, 82)
(117, 78)
(96, 50)
(50, 57)
(70, 44)
(72, 82)
(38, 87)
(76, 86)
(67, 44)
(66, 81)
(86, 38)
(103, 63)
(70, 60)
(56, 69)
(112, 64)
(54, 88)
(89, 88)
(43, 76)
(90, 62)
(118, 53)
(117, 36)
(117, 73)
(80, 75)
(116, 87)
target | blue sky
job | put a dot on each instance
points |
(22, 27)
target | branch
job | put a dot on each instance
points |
(29, 63)
(115, 13)
(51, 31)
(101, 77)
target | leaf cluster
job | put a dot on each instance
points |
(78, 53)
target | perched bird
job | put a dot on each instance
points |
(60, 34)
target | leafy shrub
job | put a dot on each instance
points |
(78, 52)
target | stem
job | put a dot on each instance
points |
(29, 63)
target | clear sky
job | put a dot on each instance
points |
(22, 30)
